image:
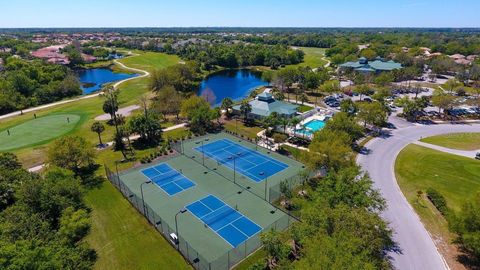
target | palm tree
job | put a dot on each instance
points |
(227, 104)
(294, 122)
(303, 98)
(284, 121)
(245, 109)
(98, 128)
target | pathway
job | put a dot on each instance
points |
(132, 138)
(468, 154)
(45, 106)
(125, 111)
(418, 250)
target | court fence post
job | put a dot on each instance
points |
(245, 255)
(188, 257)
(228, 259)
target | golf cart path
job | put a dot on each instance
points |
(45, 106)
(417, 249)
(464, 153)
(125, 111)
(133, 137)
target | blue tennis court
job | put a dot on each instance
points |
(168, 179)
(227, 222)
(250, 163)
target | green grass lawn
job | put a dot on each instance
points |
(240, 128)
(457, 178)
(313, 57)
(150, 61)
(123, 239)
(121, 236)
(38, 131)
(130, 92)
(251, 260)
(461, 141)
(304, 108)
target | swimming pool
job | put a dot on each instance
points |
(311, 127)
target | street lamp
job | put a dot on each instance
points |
(116, 167)
(236, 125)
(183, 210)
(117, 177)
(143, 200)
(203, 152)
(266, 184)
(234, 157)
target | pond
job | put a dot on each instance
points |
(93, 79)
(235, 84)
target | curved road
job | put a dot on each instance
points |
(417, 249)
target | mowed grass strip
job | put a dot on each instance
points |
(150, 61)
(130, 92)
(460, 141)
(456, 178)
(38, 131)
(314, 57)
(123, 239)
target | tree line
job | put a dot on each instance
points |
(30, 83)
(240, 55)
(340, 225)
(43, 217)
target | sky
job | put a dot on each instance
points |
(239, 13)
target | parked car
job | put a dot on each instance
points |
(335, 104)
(367, 99)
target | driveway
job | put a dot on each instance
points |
(418, 251)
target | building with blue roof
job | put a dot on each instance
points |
(264, 105)
(377, 66)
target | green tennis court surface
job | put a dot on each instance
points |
(227, 229)
(37, 131)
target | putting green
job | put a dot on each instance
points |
(37, 131)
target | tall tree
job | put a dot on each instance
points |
(442, 100)
(245, 109)
(110, 104)
(98, 128)
(168, 101)
(148, 128)
(227, 104)
(199, 114)
(72, 153)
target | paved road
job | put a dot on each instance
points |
(418, 251)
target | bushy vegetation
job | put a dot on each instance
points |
(240, 55)
(437, 200)
(29, 83)
(340, 224)
(43, 219)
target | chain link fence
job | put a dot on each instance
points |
(224, 262)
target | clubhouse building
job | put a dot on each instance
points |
(377, 66)
(264, 105)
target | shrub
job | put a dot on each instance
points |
(279, 138)
(437, 200)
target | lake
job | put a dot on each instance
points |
(235, 84)
(93, 80)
